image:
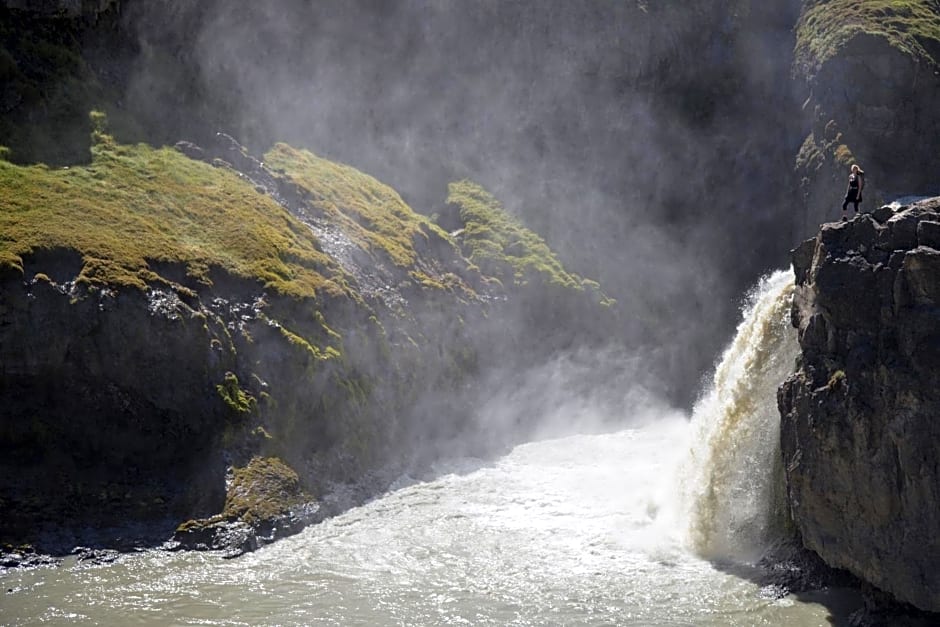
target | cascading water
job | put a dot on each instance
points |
(733, 476)
(577, 530)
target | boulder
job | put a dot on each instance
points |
(882, 213)
(928, 234)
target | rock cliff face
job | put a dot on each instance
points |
(871, 71)
(216, 341)
(860, 435)
(61, 8)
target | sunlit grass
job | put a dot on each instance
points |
(825, 26)
(371, 213)
(500, 245)
(136, 207)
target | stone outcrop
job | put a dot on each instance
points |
(860, 436)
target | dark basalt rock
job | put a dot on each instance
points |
(882, 213)
(24, 557)
(859, 432)
(86, 556)
(237, 537)
(789, 568)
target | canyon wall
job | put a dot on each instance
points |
(860, 437)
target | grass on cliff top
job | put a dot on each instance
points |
(371, 213)
(500, 244)
(825, 26)
(136, 205)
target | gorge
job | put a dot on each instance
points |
(430, 308)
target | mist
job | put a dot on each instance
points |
(650, 145)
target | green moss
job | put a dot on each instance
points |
(836, 380)
(134, 206)
(813, 154)
(372, 214)
(826, 26)
(843, 155)
(314, 351)
(234, 396)
(264, 489)
(499, 244)
(809, 155)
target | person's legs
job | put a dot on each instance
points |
(845, 204)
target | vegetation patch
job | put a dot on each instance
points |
(500, 245)
(371, 213)
(836, 380)
(262, 490)
(235, 397)
(136, 205)
(826, 26)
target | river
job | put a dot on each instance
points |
(586, 529)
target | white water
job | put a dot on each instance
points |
(580, 530)
(733, 477)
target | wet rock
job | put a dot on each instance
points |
(902, 234)
(928, 234)
(191, 150)
(883, 610)
(789, 568)
(94, 557)
(24, 557)
(859, 435)
(882, 213)
(234, 538)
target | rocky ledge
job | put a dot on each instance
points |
(859, 432)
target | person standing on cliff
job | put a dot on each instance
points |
(853, 194)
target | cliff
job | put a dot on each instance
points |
(871, 71)
(195, 336)
(631, 112)
(859, 434)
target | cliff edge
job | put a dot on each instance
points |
(859, 432)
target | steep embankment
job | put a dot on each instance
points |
(860, 436)
(209, 338)
(621, 117)
(872, 71)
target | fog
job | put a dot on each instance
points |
(650, 145)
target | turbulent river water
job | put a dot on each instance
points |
(587, 529)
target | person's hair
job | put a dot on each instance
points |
(856, 168)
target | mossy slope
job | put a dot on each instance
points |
(826, 26)
(503, 248)
(371, 214)
(135, 207)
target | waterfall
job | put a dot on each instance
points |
(733, 478)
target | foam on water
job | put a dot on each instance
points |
(578, 530)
